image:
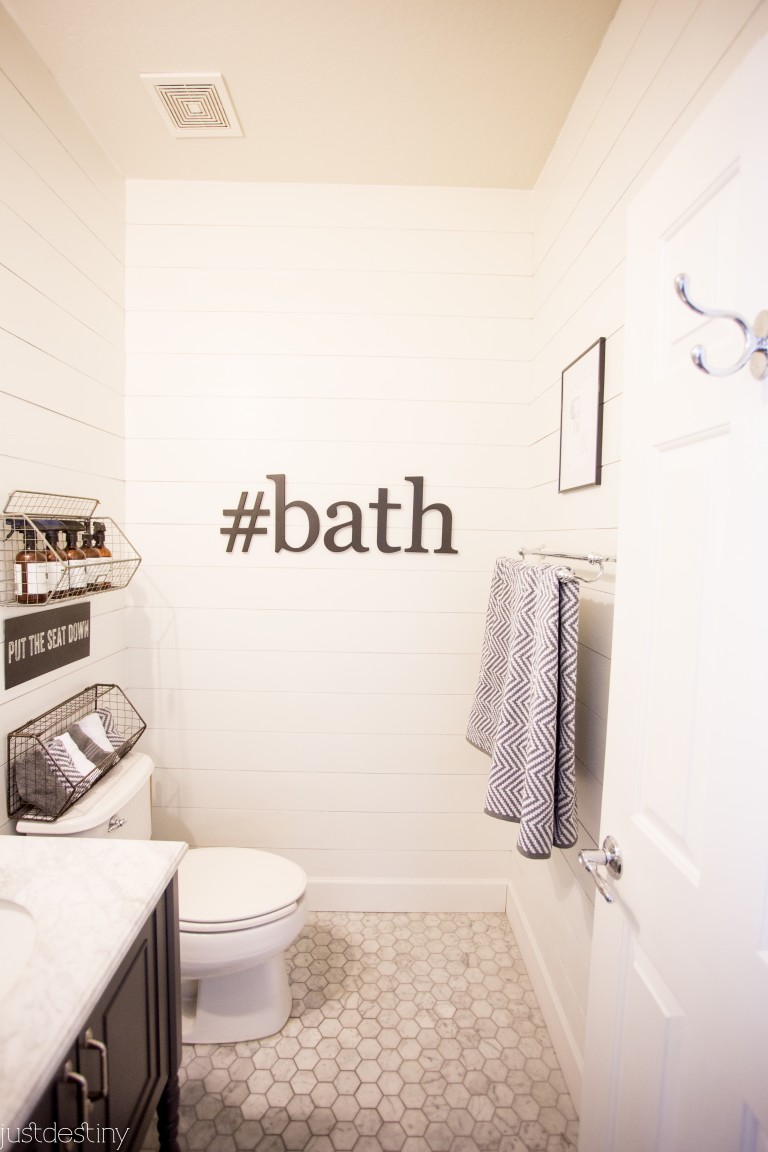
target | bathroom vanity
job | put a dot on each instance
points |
(90, 1019)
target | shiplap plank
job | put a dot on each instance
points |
(213, 246)
(32, 316)
(353, 673)
(163, 418)
(353, 292)
(576, 328)
(370, 863)
(201, 749)
(245, 712)
(39, 264)
(368, 464)
(475, 337)
(593, 679)
(590, 739)
(255, 789)
(332, 590)
(594, 282)
(231, 375)
(253, 630)
(33, 375)
(357, 831)
(596, 619)
(42, 434)
(544, 415)
(22, 126)
(329, 205)
(590, 798)
(39, 203)
(548, 511)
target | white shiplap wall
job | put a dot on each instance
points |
(658, 62)
(315, 703)
(61, 337)
(348, 337)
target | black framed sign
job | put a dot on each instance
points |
(581, 419)
(40, 642)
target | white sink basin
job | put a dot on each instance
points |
(17, 938)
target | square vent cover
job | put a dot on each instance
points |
(193, 105)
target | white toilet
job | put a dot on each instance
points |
(239, 910)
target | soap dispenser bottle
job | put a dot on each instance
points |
(91, 570)
(30, 570)
(57, 580)
(75, 560)
(99, 532)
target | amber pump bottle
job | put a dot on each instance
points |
(75, 560)
(99, 532)
(57, 580)
(91, 570)
(30, 571)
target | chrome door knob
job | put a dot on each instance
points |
(609, 856)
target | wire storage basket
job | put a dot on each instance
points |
(59, 548)
(54, 759)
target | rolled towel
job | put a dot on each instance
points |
(52, 776)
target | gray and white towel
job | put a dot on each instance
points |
(51, 774)
(523, 714)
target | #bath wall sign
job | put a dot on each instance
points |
(251, 518)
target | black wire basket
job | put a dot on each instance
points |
(35, 524)
(54, 759)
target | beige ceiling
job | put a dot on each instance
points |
(447, 92)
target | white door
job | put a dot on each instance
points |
(677, 1032)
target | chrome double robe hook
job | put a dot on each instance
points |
(755, 351)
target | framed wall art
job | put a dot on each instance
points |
(581, 419)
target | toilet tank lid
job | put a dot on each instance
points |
(223, 885)
(100, 802)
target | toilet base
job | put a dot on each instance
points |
(240, 1006)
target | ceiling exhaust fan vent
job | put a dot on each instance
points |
(196, 105)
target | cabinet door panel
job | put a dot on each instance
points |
(130, 1030)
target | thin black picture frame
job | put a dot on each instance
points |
(582, 384)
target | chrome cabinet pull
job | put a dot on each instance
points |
(101, 1048)
(83, 1100)
(609, 856)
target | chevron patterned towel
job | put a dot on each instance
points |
(523, 714)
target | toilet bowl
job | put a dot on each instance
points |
(239, 910)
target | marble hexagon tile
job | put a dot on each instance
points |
(409, 1032)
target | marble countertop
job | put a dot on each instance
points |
(89, 898)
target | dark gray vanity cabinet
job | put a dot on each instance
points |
(122, 1069)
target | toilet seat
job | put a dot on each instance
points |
(233, 889)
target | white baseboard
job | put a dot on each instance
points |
(563, 1040)
(340, 894)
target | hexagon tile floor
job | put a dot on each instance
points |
(409, 1032)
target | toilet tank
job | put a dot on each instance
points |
(118, 806)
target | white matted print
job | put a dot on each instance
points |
(581, 419)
